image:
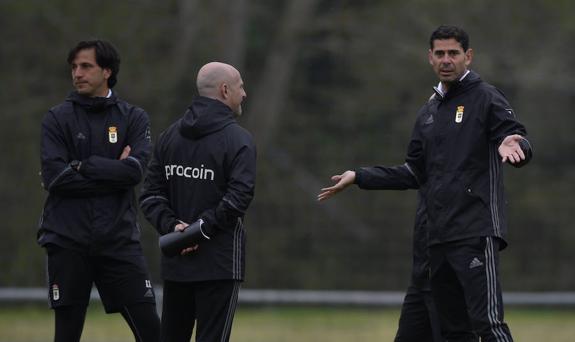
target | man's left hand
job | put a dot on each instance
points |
(125, 153)
(509, 150)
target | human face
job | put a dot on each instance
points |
(235, 94)
(87, 76)
(448, 60)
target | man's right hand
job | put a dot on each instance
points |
(343, 181)
(181, 227)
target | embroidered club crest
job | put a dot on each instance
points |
(55, 292)
(113, 134)
(459, 114)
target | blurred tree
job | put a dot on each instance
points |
(332, 84)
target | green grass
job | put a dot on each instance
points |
(277, 324)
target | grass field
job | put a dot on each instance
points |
(278, 324)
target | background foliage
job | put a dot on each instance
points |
(332, 85)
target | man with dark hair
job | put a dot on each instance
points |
(106, 57)
(450, 32)
(95, 147)
(203, 172)
(462, 137)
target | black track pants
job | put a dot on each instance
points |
(465, 273)
(210, 304)
(418, 321)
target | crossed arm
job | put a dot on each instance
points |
(95, 175)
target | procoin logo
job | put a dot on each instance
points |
(459, 114)
(189, 172)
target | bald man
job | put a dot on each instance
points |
(201, 179)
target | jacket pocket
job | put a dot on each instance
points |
(478, 189)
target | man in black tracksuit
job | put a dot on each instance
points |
(419, 321)
(94, 151)
(461, 138)
(202, 174)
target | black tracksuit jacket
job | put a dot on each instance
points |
(453, 158)
(203, 166)
(93, 210)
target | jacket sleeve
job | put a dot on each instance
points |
(154, 200)
(502, 123)
(386, 178)
(130, 171)
(57, 176)
(239, 193)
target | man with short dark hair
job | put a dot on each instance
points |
(462, 137)
(95, 148)
(203, 173)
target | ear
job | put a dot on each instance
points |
(468, 56)
(107, 73)
(224, 91)
(430, 56)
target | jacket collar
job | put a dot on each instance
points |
(469, 79)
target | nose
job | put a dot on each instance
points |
(76, 73)
(445, 59)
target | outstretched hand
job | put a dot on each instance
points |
(510, 150)
(343, 181)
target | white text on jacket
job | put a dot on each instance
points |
(189, 172)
